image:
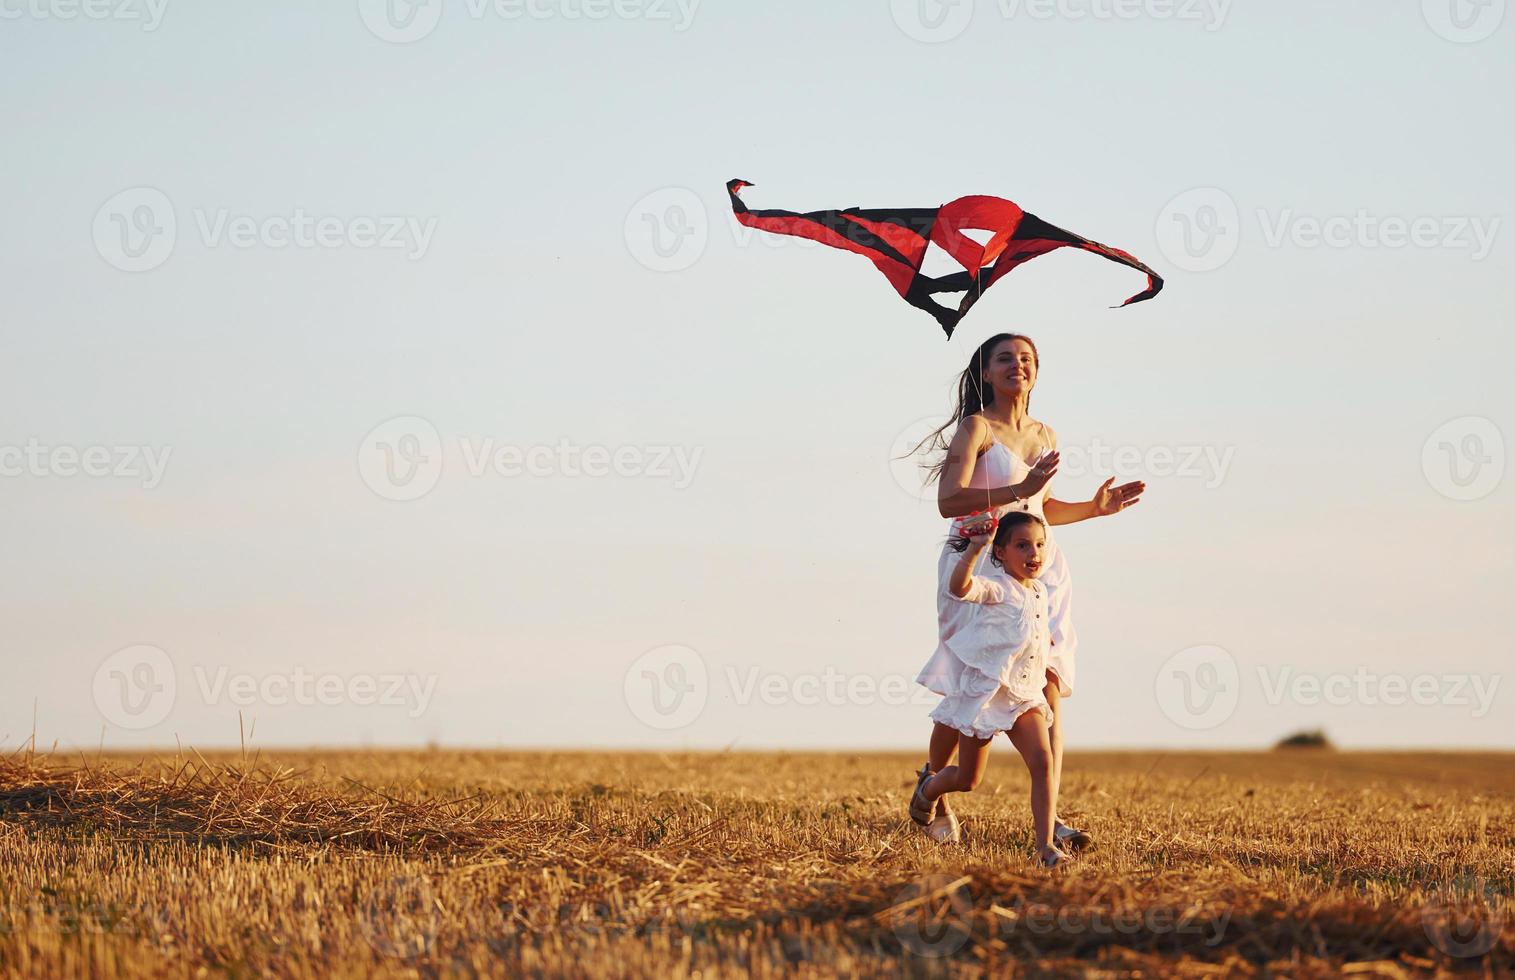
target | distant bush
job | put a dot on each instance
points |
(1306, 740)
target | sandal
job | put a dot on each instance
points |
(1054, 859)
(922, 810)
(945, 828)
(1071, 838)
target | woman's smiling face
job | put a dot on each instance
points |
(1012, 367)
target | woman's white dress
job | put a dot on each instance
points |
(958, 624)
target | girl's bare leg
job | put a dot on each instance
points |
(972, 759)
(943, 744)
(1055, 699)
(1031, 740)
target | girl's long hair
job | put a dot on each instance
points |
(973, 395)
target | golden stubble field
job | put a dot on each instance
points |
(449, 863)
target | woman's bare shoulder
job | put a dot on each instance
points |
(975, 428)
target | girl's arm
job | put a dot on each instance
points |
(961, 578)
(954, 498)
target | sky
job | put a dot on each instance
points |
(394, 374)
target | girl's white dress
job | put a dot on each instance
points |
(994, 667)
(959, 636)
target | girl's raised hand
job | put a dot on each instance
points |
(977, 528)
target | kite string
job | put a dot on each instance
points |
(978, 282)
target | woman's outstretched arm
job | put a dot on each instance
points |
(1108, 499)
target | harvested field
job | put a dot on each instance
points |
(600, 864)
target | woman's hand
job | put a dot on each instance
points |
(1041, 474)
(1110, 499)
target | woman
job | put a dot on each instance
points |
(1001, 459)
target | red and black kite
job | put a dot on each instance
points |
(895, 241)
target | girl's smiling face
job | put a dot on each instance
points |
(1024, 555)
(1012, 367)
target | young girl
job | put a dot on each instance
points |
(991, 676)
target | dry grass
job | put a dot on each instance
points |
(457, 863)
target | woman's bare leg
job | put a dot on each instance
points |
(1031, 740)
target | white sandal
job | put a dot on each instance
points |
(945, 829)
(1054, 860)
(1070, 838)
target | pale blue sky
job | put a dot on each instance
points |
(530, 147)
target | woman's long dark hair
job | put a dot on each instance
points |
(973, 394)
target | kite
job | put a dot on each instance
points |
(895, 241)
